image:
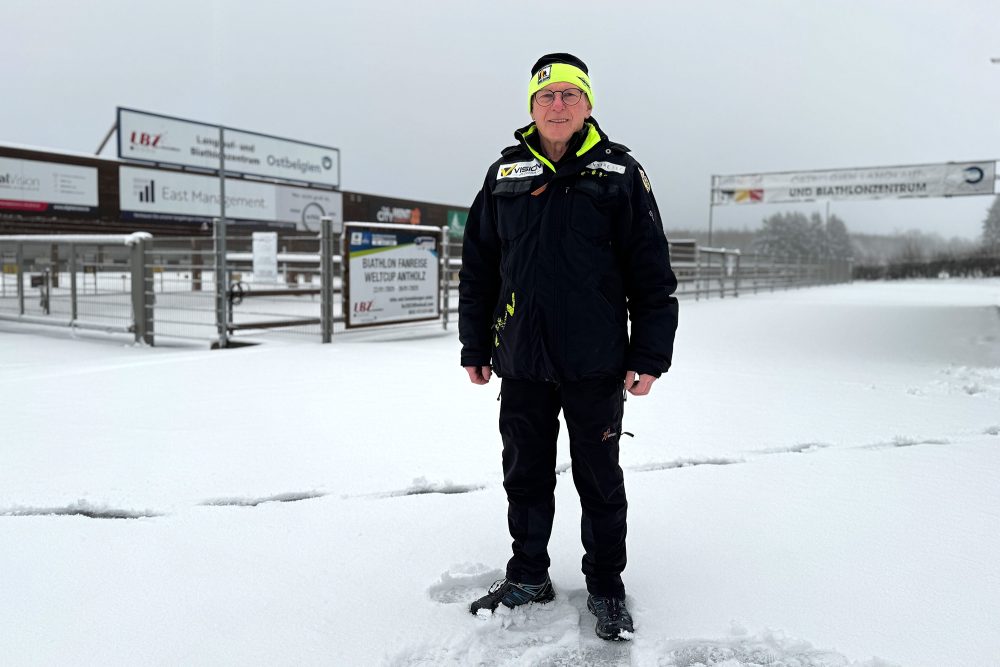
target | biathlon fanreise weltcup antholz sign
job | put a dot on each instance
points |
(392, 274)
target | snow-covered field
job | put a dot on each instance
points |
(814, 483)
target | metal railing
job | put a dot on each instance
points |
(152, 287)
(83, 281)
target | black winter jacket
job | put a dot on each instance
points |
(557, 258)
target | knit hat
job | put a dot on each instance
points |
(559, 68)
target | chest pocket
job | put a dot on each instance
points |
(595, 205)
(512, 214)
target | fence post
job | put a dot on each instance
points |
(72, 282)
(736, 275)
(47, 291)
(445, 273)
(142, 293)
(326, 277)
(221, 284)
(697, 273)
(54, 261)
(756, 269)
(19, 259)
(722, 274)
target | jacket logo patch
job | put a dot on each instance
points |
(502, 322)
(545, 73)
(607, 166)
(520, 170)
(645, 181)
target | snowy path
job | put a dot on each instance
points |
(812, 484)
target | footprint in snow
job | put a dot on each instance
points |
(463, 583)
(558, 633)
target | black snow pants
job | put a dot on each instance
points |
(529, 426)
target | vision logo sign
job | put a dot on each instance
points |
(520, 170)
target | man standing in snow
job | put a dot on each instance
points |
(562, 246)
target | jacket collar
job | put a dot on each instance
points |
(589, 137)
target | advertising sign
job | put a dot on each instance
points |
(456, 223)
(147, 137)
(927, 180)
(392, 274)
(29, 185)
(160, 194)
(265, 257)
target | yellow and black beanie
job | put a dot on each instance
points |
(559, 68)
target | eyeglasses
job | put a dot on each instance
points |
(570, 96)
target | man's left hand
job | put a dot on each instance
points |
(640, 386)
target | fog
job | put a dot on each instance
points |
(420, 97)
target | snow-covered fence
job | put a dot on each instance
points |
(140, 285)
(83, 281)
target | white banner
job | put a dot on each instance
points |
(159, 192)
(29, 185)
(393, 274)
(927, 180)
(153, 138)
(265, 257)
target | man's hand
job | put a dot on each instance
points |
(479, 374)
(641, 386)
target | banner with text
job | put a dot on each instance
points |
(148, 137)
(159, 194)
(392, 274)
(928, 180)
(30, 185)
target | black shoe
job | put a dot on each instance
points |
(612, 617)
(512, 595)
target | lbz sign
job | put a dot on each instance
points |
(145, 139)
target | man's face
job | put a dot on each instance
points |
(559, 121)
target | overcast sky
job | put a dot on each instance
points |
(421, 96)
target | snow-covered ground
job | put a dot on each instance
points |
(813, 483)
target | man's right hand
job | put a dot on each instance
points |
(479, 374)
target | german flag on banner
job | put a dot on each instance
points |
(748, 196)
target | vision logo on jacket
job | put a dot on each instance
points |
(519, 170)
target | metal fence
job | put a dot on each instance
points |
(88, 282)
(166, 287)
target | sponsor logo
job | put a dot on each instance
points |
(384, 240)
(585, 83)
(18, 182)
(145, 139)
(145, 190)
(973, 175)
(748, 195)
(424, 242)
(364, 306)
(409, 216)
(519, 170)
(357, 238)
(607, 166)
(327, 162)
(544, 74)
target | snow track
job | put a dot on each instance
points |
(812, 484)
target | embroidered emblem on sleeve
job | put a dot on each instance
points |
(645, 181)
